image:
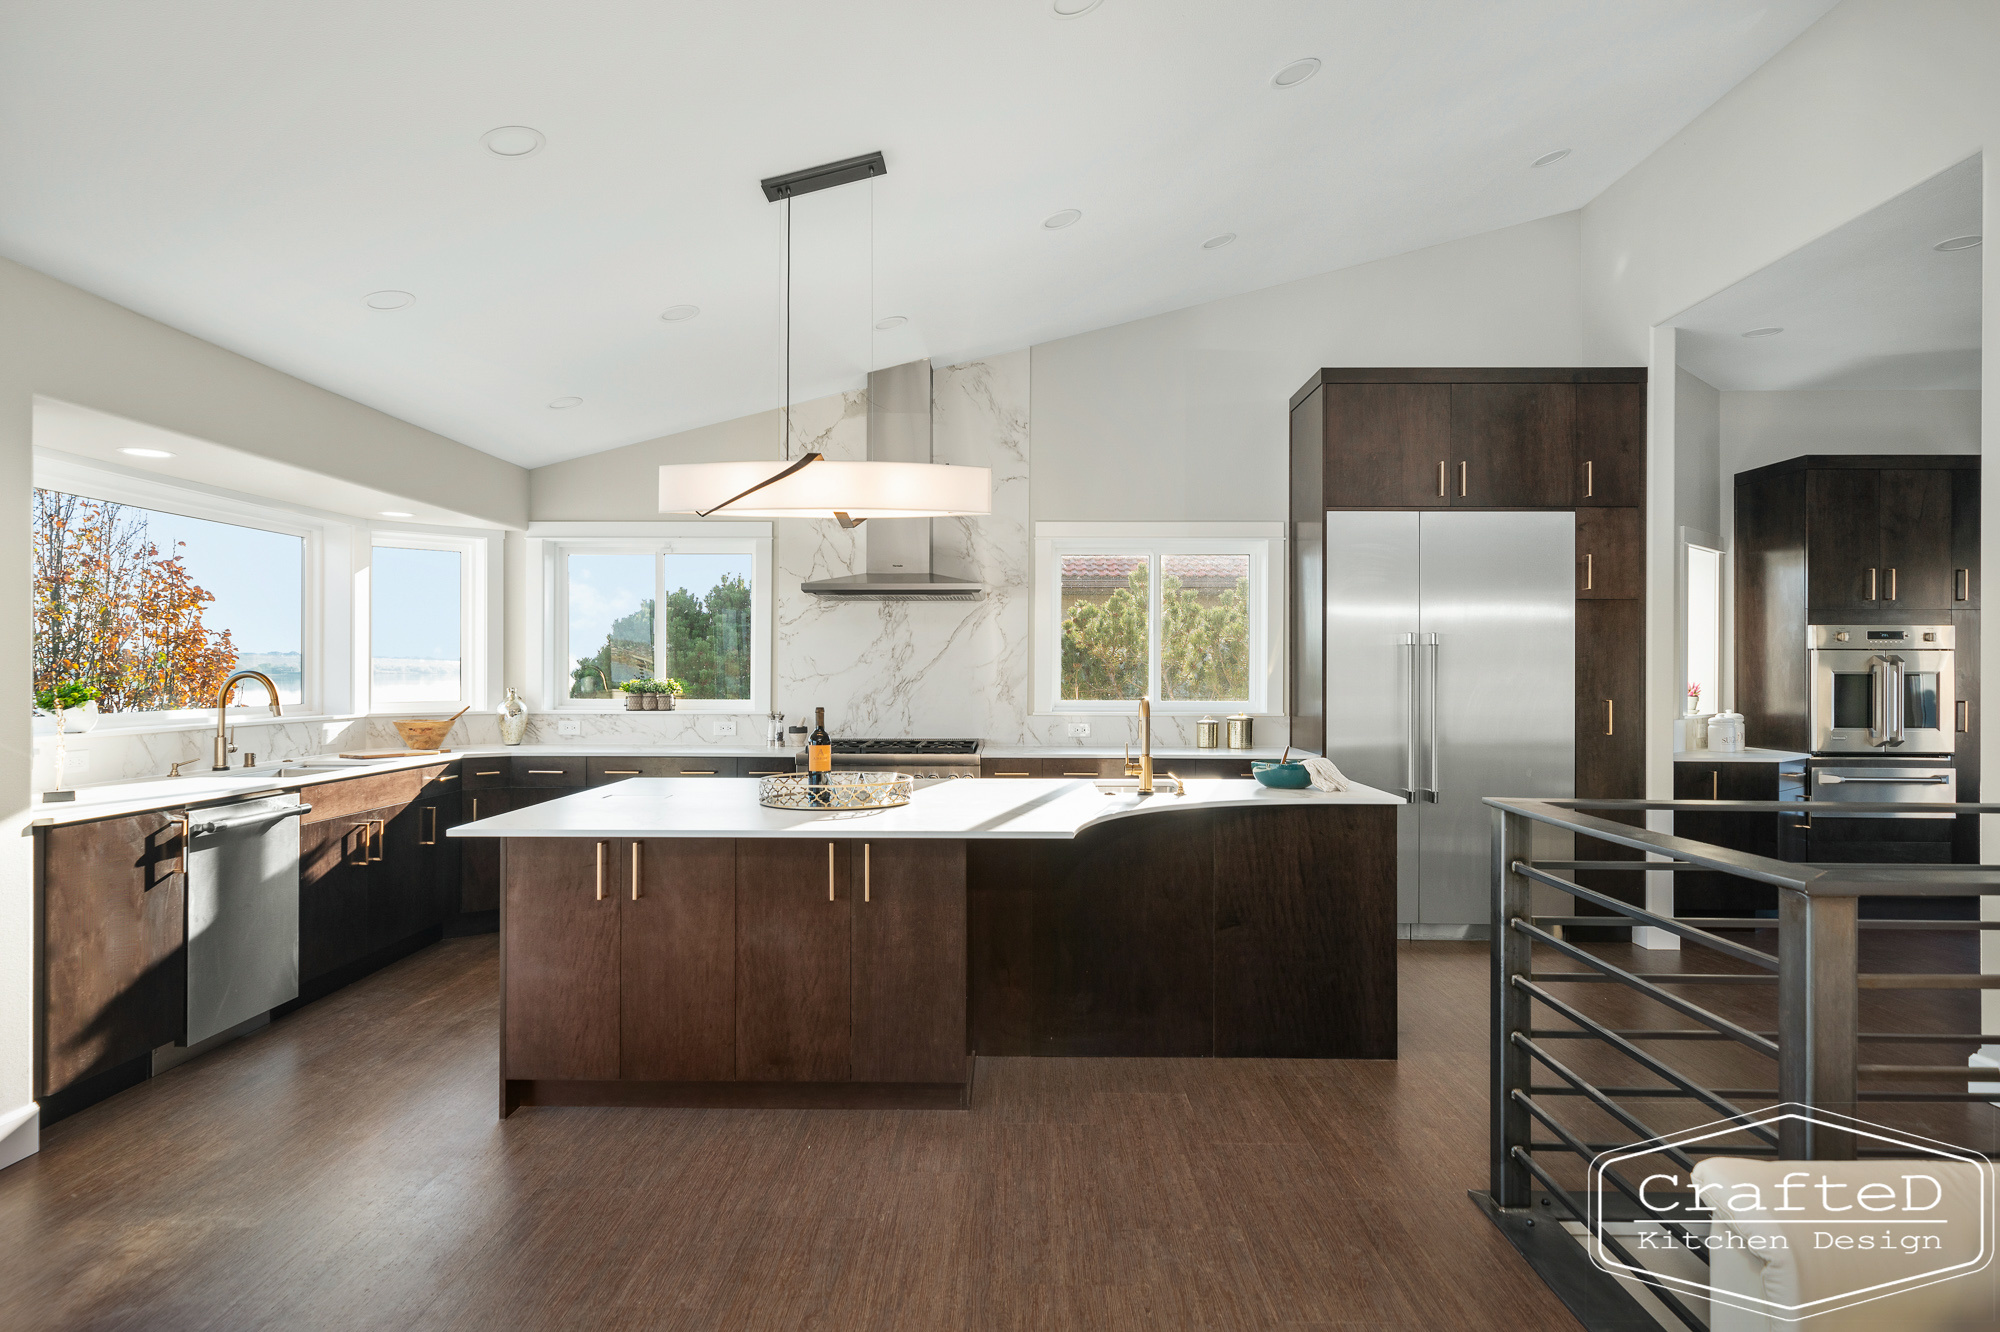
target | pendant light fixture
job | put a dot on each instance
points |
(809, 485)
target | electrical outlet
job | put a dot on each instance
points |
(1078, 730)
(76, 762)
(724, 727)
(569, 730)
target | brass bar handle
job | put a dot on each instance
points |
(1441, 486)
(475, 809)
(1964, 710)
(545, 772)
(381, 831)
(432, 838)
(187, 831)
(1715, 784)
(1961, 584)
(493, 773)
(367, 827)
(448, 777)
(1871, 585)
(1589, 480)
(621, 772)
(1892, 584)
(865, 849)
(1461, 478)
(829, 871)
(698, 772)
(635, 871)
(1589, 572)
(600, 871)
(1015, 774)
(1610, 717)
(770, 772)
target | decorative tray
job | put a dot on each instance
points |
(843, 790)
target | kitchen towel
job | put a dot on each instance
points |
(1325, 777)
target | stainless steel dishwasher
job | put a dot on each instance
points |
(242, 912)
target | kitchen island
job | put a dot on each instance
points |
(673, 942)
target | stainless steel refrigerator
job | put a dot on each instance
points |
(1450, 676)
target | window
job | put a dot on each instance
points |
(1703, 629)
(417, 618)
(1187, 620)
(154, 609)
(691, 609)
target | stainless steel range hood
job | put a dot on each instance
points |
(898, 549)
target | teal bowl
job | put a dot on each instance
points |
(1284, 776)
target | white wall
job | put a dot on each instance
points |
(1763, 428)
(1698, 486)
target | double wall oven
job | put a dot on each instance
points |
(1883, 721)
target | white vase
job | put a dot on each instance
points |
(513, 719)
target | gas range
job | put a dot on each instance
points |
(931, 760)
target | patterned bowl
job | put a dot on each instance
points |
(1284, 776)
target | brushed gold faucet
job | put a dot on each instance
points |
(222, 745)
(1143, 769)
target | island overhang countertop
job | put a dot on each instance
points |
(968, 809)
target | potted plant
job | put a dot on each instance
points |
(652, 695)
(72, 703)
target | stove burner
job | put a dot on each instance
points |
(914, 748)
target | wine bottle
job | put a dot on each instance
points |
(819, 760)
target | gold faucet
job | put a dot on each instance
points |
(1143, 769)
(222, 745)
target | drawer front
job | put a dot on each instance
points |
(766, 767)
(486, 774)
(1073, 768)
(599, 770)
(696, 766)
(1013, 767)
(439, 780)
(337, 800)
(1204, 769)
(565, 771)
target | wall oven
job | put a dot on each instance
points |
(1882, 689)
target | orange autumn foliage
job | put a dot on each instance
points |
(113, 612)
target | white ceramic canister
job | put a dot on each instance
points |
(1725, 733)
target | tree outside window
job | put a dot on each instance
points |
(1203, 627)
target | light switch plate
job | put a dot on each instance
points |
(723, 727)
(1078, 730)
(569, 729)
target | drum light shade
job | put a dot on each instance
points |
(827, 489)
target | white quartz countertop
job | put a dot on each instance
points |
(1259, 753)
(1747, 756)
(969, 809)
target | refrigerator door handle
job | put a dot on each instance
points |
(1413, 678)
(1431, 708)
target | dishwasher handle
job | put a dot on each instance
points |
(270, 815)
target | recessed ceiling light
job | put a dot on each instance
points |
(388, 300)
(1075, 8)
(513, 141)
(1057, 221)
(1217, 242)
(1550, 159)
(396, 513)
(1958, 243)
(1770, 331)
(147, 453)
(1292, 75)
(893, 321)
(564, 404)
(675, 314)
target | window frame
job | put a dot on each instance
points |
(559, 541)
(1695, 539)
(1263, 543)
(472, 619)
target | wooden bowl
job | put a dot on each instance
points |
(428, 734)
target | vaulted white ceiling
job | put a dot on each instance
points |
(251, 171)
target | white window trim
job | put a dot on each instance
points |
(1263, 542)
(549, 545)
(1695, 537)
(478, 620)
(325, 607)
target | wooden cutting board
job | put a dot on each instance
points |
(393, 753)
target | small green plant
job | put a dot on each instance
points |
(69, 694)
(648, 686)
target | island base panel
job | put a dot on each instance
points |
(520, 1093)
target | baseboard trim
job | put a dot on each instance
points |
(20, 1134)
(522, 1093)
(1444, 933)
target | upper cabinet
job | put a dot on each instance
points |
(1478, 439)
(1887, 538)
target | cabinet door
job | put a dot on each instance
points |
(442, 874)
(113, 973)
(909, 963)
(417, 874)
(1010, 767)
(479, 860)
(1916, 540)
(1513, 445)
(333, 894)
(1610, 553)
(1965, 541)
(792, 925)
(1388, 446)
(677, 959)
(1610, 707)
(559, 951)
(1843, 539)
(1610, 446)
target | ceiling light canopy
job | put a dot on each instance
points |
(513, 141)
(388, 300)
(146, 453)
(1075, 8)
(564, 404)
(891, 321)
(1292, 75)
(809, 486)
(396, 513)
(1217, 242)
(1958, 243)
(1067, 217)
(679, 314)
(1768, 331)
(1550, 159)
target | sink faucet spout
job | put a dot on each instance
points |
(222, 745)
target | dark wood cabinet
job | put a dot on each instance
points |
(1610, 699)
(334, 862)
(1843, 540)
(1880, 539)
(1610, 467)
(1611, 554)
(908, 963)
(792, 961)
(560, 956)
(479, 860)
(676, 959)
(112, 924)
(1965, 540)
(1512, 445)
(1388, 446)
(1779, 836)
(1916, 540)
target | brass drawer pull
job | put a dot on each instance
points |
(1589, 572)
(865, 849)
(187, 835)
(1441, 489)
(1715, 784)
(381, 829)
(1610, 717)
(770, 772)
(829, 871)
(1018, 774)
(1871, 585)
(1589, 480)
(1892, 584)
(1461, 478)
(546, 772)
(448, 777)
(1964, 710)
(697, 772)
(621, 772)
(494, 773)
(635, 871)
(1961, 584)
(432, 838)
(600, 871)
(1079, 774)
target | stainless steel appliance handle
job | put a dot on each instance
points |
(271, 815)
(1412, 677)
(1896, 736)
(1436, 652)
(1878, 701)
(1835, 779)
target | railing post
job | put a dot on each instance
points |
(1512, 1184)
(1819, 1003)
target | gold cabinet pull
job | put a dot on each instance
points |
(769, 772)
(621, 772)
(495, 772)
(381, 830)
(1892, 584)
(1014, 774)
(1964, 710)
(1871, 584)
(1461, 478)
(1610, 717)
(829, 871)
(864, 871)
(1589, 572)
(1589, 480)
(475, 809)
(187, 830)
(600, 871)
(698, 772)
(432, 840)
(1715, 784)
(1961, 584)
(1441, 489)
(545, 772)
(635, 871)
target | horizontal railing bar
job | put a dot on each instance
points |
(1651, 991)
(1703, 1034)
(1603, 1102)
(1643, 866)
(1707, 1149)
(1919, 980)
(1670, 978)
(1741, 952)
(1928, 1096)
(1657, 1067)
(1771, 923)
(1965, 1072)
(1667, 1093)
(1618, 1181)
(1612, 1242)
(1551, 812)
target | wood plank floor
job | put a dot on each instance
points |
(344, 1169)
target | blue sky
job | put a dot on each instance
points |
(257, 577)
(416, 603)
(605, 587)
